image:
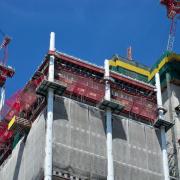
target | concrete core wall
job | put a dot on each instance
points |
(170, 103)
(79, 146)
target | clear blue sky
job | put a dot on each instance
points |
(90, 29)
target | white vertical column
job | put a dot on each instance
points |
(110, 167)
(49, 121)
(163, 134)
(158, 87)
(2, 97)
(164, 154)
(107, 85)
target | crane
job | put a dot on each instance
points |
(5, 71)
(173, 9)
(3, 45)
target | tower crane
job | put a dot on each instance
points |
(173, 9)
(5, 71)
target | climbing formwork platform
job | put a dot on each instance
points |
(58, 87)
(84, 82)
(6, 72)
(18, 124)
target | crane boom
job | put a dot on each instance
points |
(5, 42)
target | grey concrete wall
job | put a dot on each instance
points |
(26, 160)
(170, 104)
(79, 146)
(175, 101)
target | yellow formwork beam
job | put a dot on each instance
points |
(142, 71)
(163, 63)
(11, 122)
(129, 67)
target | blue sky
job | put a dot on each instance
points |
(90, 29)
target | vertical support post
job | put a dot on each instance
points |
(2, 97)
(49, 120)
(110, 167)
(162, 129)
(158, 87)
(164, 154)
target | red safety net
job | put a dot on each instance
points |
(93, 90)
(89, 88)
(21, 101)
(19, 104)
(136, 104)
(5, 135)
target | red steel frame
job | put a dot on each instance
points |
(173, 7)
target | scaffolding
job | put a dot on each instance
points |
(17, 115)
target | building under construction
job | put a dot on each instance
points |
(79, 121)
(76, 120)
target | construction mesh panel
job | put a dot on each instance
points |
(89, 88)
(136, 104)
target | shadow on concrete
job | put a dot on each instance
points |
(118, 131)
(60, 112)
(39, 176)
(158, 135)
(19, 159)
(97, 115)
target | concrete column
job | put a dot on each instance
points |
(110, 167)
(164, 154)
(158, 88)
(48, 145)
(171, 109)
(177, 126)
(163, 134)
(107, 84)
(49, 121)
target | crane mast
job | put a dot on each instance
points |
(5, 71)
(173, 9)
(172, 33)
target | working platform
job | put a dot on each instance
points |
(58, 87)
(115, 106)
(2, 80)
(161, 122)
(5, 71)
(18, 123)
